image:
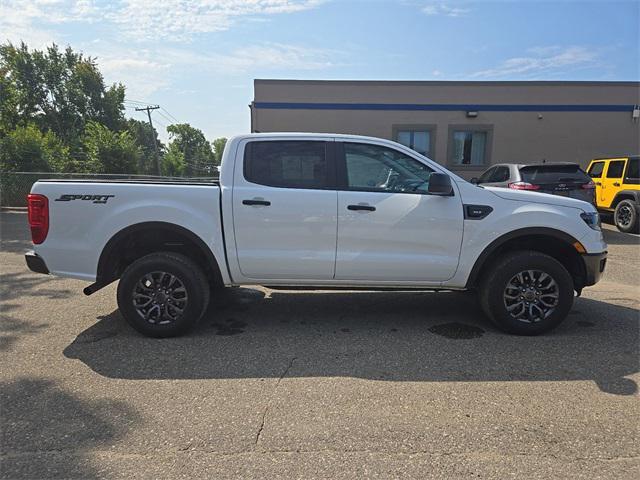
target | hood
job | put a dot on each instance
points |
(536, 197)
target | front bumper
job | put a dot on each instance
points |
(594, 264)
(35, 262)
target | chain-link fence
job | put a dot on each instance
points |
(14, 186)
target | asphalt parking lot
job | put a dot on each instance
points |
(322, 384)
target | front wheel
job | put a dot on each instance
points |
(626, 217)
(527, 293)
(163, 294)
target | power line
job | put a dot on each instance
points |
(165, 117)
(136, 101)
(167, 112)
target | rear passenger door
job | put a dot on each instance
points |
(284, 210)
(612, 181)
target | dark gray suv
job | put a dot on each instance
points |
(565, 179)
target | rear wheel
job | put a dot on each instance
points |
(527, 293)
(163, 294)
(626, 216)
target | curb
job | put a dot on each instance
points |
(13, 209)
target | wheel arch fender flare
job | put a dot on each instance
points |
(633, 195)
(105, 272)
(523, 233)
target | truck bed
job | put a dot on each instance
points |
(86, 214)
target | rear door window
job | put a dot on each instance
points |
(632, 175)
(288, 164)
(616, 168)
(501, 174)
(596, 169)
(484, 178)
(541, 174)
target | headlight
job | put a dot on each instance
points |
(592, 219)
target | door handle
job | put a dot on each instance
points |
(366, 208)
(616, 184)
(264, 203)
(599, 183)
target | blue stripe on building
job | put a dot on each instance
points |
(442, 107)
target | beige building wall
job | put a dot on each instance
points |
(513, 136)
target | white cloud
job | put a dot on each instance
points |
(541, 61)
(273, 57)
(180, 20)
(141, 75)
(145, 71)
(444, 9)
(173, 20)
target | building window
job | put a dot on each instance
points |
(469, 147)
(418, 140)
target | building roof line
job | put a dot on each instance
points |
(453, 82)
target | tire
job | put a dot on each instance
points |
(626, 216)
(173, 283)
(500, 301)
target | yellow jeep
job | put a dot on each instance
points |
(618, 189)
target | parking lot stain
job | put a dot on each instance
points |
(585, 323)
(345, 330)
(394, 329)
(457, 331)
(232, 327)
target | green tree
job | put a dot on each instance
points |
(218, 148)
(57, 90)
(27, 149)
(173, 161)
(197, 155)
(108, 151)
(144, 136)
(9, 115)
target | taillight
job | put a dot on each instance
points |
(38, 212)
(588, 186)
(524, 186)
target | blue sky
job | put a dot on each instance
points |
(198, 59)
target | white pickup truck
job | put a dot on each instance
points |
(320, 211)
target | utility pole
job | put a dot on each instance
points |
(148, 109)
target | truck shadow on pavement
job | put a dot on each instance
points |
(47, 431)
(393, 336)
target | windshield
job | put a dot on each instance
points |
(553, 174)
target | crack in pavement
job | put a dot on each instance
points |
(273, 394)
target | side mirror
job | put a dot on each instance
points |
(440, 184)
(474, 180)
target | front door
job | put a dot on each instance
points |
(596, 171)
(611, 181)
(389, 228)
(284, 210)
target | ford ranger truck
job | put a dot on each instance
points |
(317, 211)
